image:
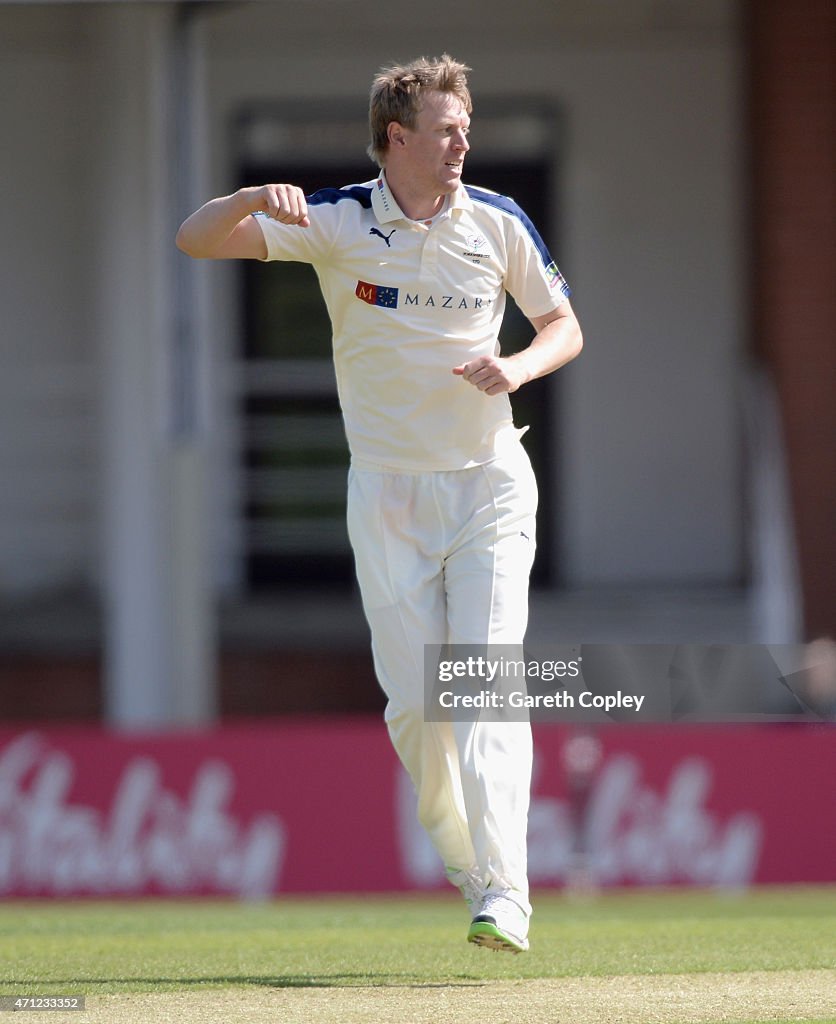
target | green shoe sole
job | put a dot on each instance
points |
(488, 935)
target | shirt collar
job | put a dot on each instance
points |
(386, 208)
(383, 202)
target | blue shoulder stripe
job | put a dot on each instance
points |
(361, 194)
(507, 205)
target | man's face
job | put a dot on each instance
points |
(436, 146)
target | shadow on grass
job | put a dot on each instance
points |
(346, 980)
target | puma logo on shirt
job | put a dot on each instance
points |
(379, 233)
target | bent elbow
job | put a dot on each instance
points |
(578, 345)
(183, 243)
(189, 241)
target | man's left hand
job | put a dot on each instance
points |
(494, 375)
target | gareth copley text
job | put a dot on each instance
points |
(557, 699)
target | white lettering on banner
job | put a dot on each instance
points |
(655, 838)
(149, 837)
(633, 833)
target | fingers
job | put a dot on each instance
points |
(286, 204)
(490, 375)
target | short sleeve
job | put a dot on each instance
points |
(532, 276)
(292, 243)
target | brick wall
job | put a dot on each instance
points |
(793, 166)
(69, 688)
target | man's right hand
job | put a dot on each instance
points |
(285, 203)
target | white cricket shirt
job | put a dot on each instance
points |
(408, 303)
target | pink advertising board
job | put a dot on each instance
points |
(306, 806)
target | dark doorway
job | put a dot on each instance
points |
(295, 453)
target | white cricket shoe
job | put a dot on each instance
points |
(501, 924)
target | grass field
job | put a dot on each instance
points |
(691, 957)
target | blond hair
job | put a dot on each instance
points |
(396, 95)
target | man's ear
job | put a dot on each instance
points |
(395, 134)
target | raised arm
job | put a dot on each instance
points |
(224, 229)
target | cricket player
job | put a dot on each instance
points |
(414, 266)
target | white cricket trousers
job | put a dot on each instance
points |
(445, 557)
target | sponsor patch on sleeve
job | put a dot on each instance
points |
(556, 279)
